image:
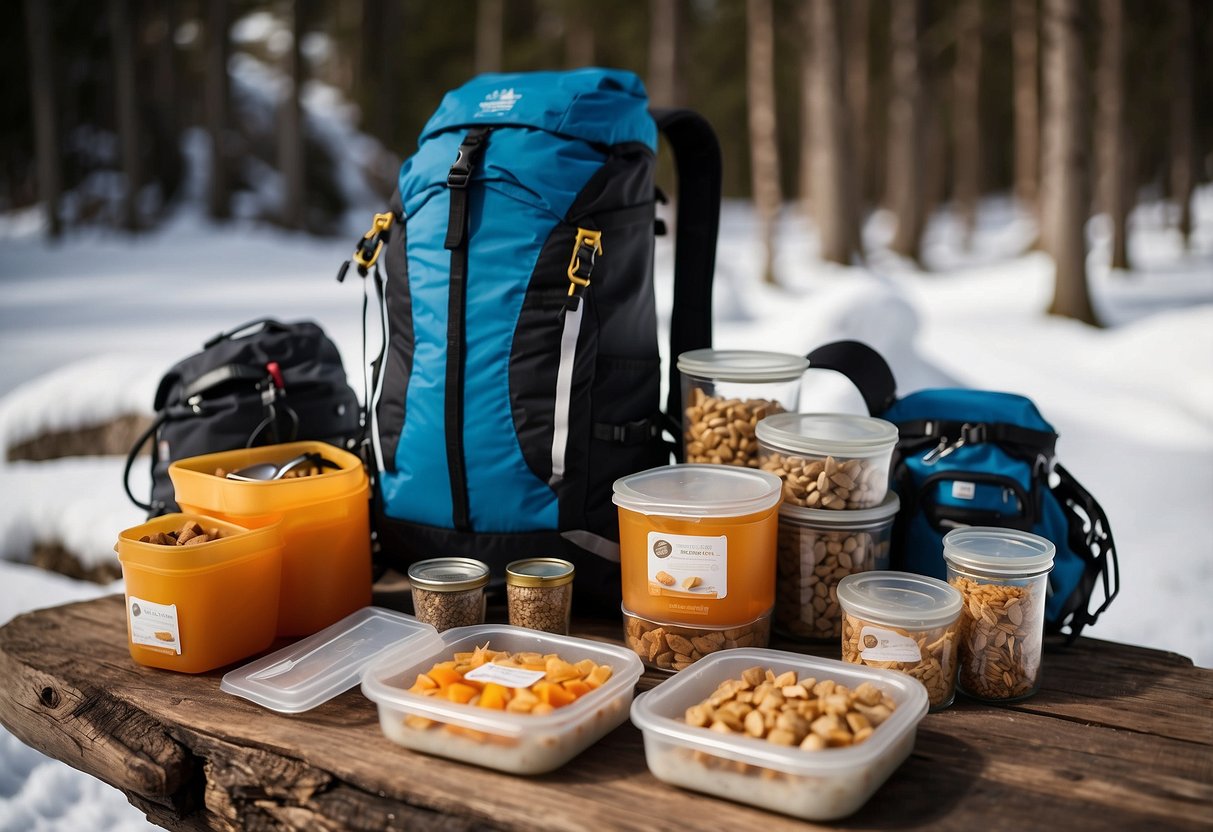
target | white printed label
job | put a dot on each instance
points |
(154, 625)
(964, 490)
(877, 645)
(687, 565)
(511, 677)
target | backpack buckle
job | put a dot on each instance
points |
(586, 249)
(371, 244)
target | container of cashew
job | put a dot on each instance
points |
(809, 737)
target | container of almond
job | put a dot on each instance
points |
(507, 698)
(809, 737)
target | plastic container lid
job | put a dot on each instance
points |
(742, 365)
(998, 551)
(899, 599)
(449, 574)
(828, 434)
(539, 572)
(698, 491)
(878, 514)
(315, 669)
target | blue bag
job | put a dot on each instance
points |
(982, 458)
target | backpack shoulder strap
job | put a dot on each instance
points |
(865, 367)
(697, 160)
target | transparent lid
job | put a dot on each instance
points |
(698, 491)
(539, 572)
(742, 365)
(449, 574)
(879, 514)
(998, 551)
(315, 669)
(828, 434)
(899, 599)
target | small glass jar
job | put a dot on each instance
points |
(1003, 576)
(539, 592)
(726, 393)
(449, 592)
(904, 622)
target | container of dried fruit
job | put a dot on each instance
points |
(834, 461)
(697, 543)
(725, 393)
(569, 704)
(783, 773)
(197, 606)
(817, 549)
(539, 594)
(903, 622)
(666, 646)
(326, 555)
(449, 592)
(1003, 576)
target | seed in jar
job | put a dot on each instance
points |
(444, 610)
(936, 668)
(671, 647)
(721, 430)
(190, 534)
(828, 483)
(809, 565)
(544, 608)
(999, 654)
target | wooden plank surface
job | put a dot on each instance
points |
(1118, 737)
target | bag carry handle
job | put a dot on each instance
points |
(697, 159)
(865, 368)
(262, 323)
(160, 419)
(1091, 536)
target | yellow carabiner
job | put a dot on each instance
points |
(380, 224)
(590, 238)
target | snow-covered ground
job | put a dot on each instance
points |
(87, 327)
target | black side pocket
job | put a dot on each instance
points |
(393, 382)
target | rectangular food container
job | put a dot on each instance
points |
(326, 556)
(195, 608)
(510, 742)
(812, 785)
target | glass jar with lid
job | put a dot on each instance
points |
(449, 592)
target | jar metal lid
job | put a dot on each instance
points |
(449, 574)
(900, 599)
(698, 491)
(742, 365)
(878, 514)
(827, 434)
(998, 551)
(539, 572)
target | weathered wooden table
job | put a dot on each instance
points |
(1119, 737)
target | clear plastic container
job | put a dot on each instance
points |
(904, 622)
(511, 742)
(812, 785)
(539, 594)
(449, 592)
(194, 608)
(675, 647)
(725, 393)
(834, 461)
(326, 532)
(697, 543)
(817, 549)
(1003, 576)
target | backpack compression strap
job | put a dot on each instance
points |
(865, 367)
(697, 158)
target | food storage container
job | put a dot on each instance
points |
(449, 592)
(1003, 576)
(539, 594)
(817, 549)
(904, 622)
(194, 608)
(725, 393)
(518, 743)
(697, 543)
(830, 461)
(674, 647)
(814, 785)
(326, 555)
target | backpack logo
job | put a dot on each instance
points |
(499, 101)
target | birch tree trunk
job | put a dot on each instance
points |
(291, 127)
(217, 23)
(1065, 157)
(1111, 131)
(1182, 156)
(44, 105)
(665, 79)
(1025, 47)
(906, 157)
(490, 23)
(966, 117)
(764, 152)
(122, 46)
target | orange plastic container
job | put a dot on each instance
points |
(697, 543)
(326, 530)
(195, 608)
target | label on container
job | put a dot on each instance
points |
(879, 645)
(154, 625)
(510, 677)
(688, 566)
(964, 490)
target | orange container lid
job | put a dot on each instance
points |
(236, 544)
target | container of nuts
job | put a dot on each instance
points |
(675, 647)
(449, 592)
(1003, 576)
(833, 461)
(726, 393)
(904, 622)
(539, 592)
(817, 549)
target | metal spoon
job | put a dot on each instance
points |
(268, 471)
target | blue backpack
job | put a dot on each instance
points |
(981, 458)
(522, 374)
